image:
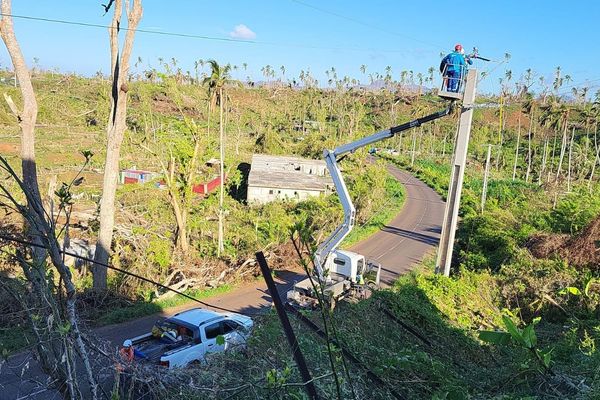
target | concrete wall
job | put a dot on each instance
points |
(264, 195)
(313, 168)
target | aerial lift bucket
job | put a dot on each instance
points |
(453, 82)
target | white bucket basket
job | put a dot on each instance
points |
(453, 82)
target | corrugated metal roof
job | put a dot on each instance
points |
(288, 172)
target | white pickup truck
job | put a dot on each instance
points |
(189, 336)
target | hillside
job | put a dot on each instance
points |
(518, 318)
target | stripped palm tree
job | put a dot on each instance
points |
(217, 80)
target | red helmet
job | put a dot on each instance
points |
(458, 47)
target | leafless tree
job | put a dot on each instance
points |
(27, 116)
(56, 303)
(115, 129)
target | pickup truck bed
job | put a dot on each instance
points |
(151, 349)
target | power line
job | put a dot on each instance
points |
(580, 85)
(91, 25)
(29, 243)
(366, 24)
(200, 37)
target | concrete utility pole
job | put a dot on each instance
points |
(444, 256)
(486, 176)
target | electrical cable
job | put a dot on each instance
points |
(357, 21)
(29, 243)
(581, 86)
(196, 36)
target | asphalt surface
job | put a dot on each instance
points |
(413, 233)
(401, 244)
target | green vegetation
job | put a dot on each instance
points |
(164, 119)
(504, 326)
(446, 360)
(393, 201)
(517, 319)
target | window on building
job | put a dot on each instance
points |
(271, 191)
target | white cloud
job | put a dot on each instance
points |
(241, 31)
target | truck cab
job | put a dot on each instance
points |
(346, 265)
(347, 273)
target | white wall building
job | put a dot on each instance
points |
(281, 177)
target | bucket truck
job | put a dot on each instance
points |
(343, 273)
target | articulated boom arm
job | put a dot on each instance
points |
(331, 159)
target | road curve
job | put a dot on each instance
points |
(414, 232)
(397, 247)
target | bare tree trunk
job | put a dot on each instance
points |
(500, 135)
(414, 144)
(238, 138)
(544, 160)
(115, 131)
(486, 175)
(221, 247)
(570, 158)
(178, 210)
(420, 140)
(444, 143)
(400, 142)
(514, 174)
(26, 117)
(563, 147)
(532, 127)
(550, 171)
(597, 149)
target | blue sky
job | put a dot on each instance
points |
(341, 34)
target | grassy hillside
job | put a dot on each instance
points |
(518, 270)
(427, 337)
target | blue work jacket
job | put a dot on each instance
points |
(455, 62)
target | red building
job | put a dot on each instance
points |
(209, 187)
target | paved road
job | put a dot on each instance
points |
(397, 247)
(414, 232)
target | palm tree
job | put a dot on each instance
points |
(420, 80)
(555, 117)
(430, 72)
(282, 69)
(216, 82)
(558, 80)
(528, 107)
(528, 78)
(500, 122)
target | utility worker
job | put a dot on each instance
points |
(127, 353)
(453, 67)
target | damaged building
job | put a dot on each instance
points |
(286, 177)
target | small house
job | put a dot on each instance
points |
(129, 176)
(286, 177)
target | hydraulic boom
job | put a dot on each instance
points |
(331, 159)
